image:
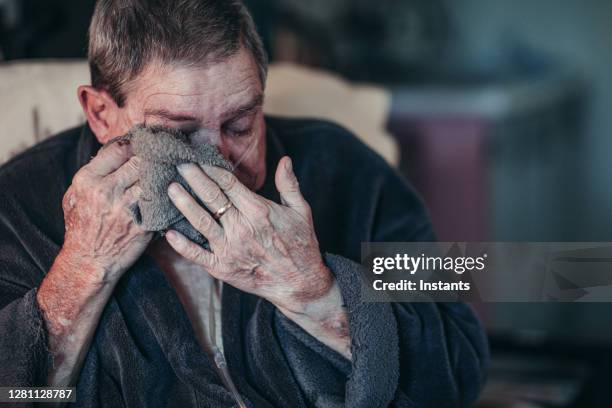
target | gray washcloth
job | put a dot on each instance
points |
(161, 150)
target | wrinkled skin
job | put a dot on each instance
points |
(105, 235)
(258, 246)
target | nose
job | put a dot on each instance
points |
(212, 137)
(205, 136)
(225, 150)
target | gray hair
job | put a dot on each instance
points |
(126, 35)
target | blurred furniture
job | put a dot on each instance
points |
(498, 160)
(38, 99)
(493, 158)
(295, 91)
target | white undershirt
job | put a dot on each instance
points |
(195, 287)
(200, 287)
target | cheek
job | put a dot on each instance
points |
(120, 124)
(251, 169)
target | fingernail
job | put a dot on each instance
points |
(184, 167)
(173, 190)
(288, 165)
(173, 238)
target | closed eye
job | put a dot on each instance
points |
(241, 126)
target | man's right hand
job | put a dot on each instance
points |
(101, 242)
(100, 230)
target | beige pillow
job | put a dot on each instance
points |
(38, 99)
(295, 91)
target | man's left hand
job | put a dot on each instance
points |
(262, 247)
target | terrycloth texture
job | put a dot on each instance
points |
(144, 352)
(161, 150)
(29, 339)
(382, 359)
(372, 328)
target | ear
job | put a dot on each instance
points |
(101, 111)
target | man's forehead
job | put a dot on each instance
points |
(187, 91)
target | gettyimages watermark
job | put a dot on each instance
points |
(487, 271)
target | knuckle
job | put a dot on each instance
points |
(211, 194)
(193, 253)
(294, 184)
(261, 210)
(68, 200)
(101, 194)
(108, 152)
(203, 222)
(134, 193)
(133, 164)
(227, 180)
(200, 258)
(117, 148)
(267, 231)
(114, 151)
(128, 201)
(80, 177)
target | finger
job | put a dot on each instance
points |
(132, 194)
(205, 188)
(126, 175)
(110, 158)
(198, 217)
(129, 201)
(237, 192)
(191, 250)
(289, 187)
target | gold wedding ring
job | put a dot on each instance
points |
(219, 213)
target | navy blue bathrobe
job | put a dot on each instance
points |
(145, 354)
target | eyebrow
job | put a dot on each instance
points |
(185, 117)
(169, 115)
(247, 108)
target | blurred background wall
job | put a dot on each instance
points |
(573, 34)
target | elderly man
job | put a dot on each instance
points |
(88, 298)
